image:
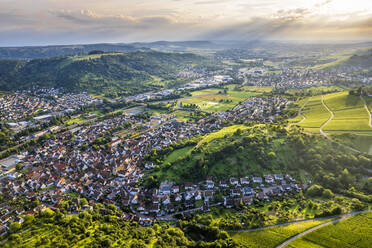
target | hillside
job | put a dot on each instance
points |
(239, 151)
(124, 73)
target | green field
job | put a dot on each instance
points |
(350, 115)
(353, 232)
(211, 100)
(274, 236)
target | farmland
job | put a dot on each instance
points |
(271, 237)
(352, 232)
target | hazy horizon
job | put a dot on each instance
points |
(51, 22)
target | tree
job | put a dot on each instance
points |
(315, 190)
(346, 178)
(19, 167)
(14, 227)
(327, 193)
(368, 185)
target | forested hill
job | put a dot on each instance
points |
(123, 73)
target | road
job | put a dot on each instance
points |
(300, 111)
(328, 121)
(369, 113)
(343, 217)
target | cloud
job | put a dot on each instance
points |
(321, 4)
(197, 19)
(296, 24)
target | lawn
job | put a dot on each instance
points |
(274, 236)
(353, 232)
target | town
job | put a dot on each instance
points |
(91, 161)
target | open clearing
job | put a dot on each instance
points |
(353, 232)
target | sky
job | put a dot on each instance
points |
(50, 22)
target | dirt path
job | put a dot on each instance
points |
(343, 217)
(369, 113)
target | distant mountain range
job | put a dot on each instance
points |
(118, 73)
(32, 52)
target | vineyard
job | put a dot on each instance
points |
(351, 233)
(272, 237)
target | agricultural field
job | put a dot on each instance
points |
(274, 236)
(353, 232)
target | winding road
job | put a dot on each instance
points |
(328, 121)
(343, 217)
(300, 113)
(369, 113)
